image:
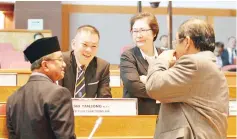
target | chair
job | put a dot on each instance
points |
(2, 108)
(231, 68)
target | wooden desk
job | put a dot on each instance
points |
(119, 127)
(117, 92)
(23, 75)
(231, 78)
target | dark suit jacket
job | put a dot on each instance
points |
(40, 110)
(97, 76)
(132, 66)
(225, 58)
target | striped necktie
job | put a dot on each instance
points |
(80, 91)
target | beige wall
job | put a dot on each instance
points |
(49, 11)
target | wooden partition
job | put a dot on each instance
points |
(119, 127)
(113, 127)
(117, 92)
(23, 75)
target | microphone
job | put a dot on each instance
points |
(97, 124)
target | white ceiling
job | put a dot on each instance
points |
(231, 4)
(184, 4)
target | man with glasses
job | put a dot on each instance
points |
(192, 90)
(86, 76)
(41, 109)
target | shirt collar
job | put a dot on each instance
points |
(40, 74)
(145, 56)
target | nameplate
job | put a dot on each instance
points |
(104, 106)
(232, 108)
(8, 79)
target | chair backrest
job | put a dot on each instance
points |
(231, 68)
(6, 47)
(2, 108)
(13, 60)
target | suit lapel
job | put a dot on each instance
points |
(140, 58)
(90, 73)
(72, 69)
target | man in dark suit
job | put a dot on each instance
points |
(221, 54)
(42, 109)
(86, 75)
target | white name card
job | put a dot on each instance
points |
(8, 79)
(104, 106)
(115, 81)
(35, 24)
(232, 108)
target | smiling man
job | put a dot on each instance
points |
(86, 75)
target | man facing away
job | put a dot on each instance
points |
(42, 109)
(192, 90)
(86, 76)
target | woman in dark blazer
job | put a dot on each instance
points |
(133, 65)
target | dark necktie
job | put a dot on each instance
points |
(80, 91)
(233, 52)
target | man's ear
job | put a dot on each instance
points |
(73, 44)
(188, 42)
(44, 66)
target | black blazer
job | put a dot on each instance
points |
(132, 66)
(225, 58)
(40, 110)
(97, 76)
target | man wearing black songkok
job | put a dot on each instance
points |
(42, 109)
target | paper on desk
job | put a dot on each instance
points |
(232, 108)
(115, 81)
(7, 79)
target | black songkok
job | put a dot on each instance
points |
(41, 47)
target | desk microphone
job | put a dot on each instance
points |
(97, 124)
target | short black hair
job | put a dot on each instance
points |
(219, 44)
(90, 28)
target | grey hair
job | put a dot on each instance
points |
(201, 33)
(37, 63)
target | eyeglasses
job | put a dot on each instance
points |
(142, 31)
(53, 59)
(174, 42)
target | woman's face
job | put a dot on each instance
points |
(141, 33)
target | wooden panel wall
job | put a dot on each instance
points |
(9, 20)
(68, 9)
(49, 11)
(8, 11)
